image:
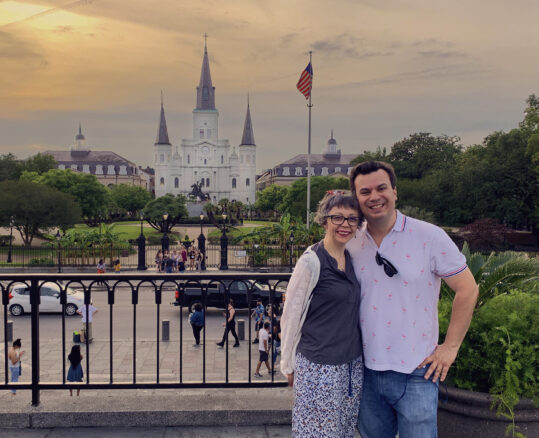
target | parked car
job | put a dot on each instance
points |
(19, 299)
(238, 292)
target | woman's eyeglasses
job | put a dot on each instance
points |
(389, 269)
(337, 219)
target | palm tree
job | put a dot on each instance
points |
(498, 273)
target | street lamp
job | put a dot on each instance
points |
(291, 241)
(11, 223)
(141, 247)
(165, 240)
(202, 245)
(224, 247)
(58, 238)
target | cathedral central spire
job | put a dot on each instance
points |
(205, 89)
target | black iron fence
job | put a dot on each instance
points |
(240, 257)
(133, 287)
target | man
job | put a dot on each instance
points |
(87, 327)
(258, 314)
(263, 349)
(400, 262)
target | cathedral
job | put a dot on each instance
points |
(206, 161)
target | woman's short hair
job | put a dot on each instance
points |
(17, 342)
(336, 198)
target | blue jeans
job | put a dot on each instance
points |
(14, 376)
(396, 402)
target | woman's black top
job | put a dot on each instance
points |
(331, 334)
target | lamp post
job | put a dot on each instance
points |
(10, 239)
(141, 247)
(291, 242)
(224, 247)
(165, 240)
(202, 245)
(58, 238)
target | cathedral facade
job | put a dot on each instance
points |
(205, 160)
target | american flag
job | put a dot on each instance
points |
(305, 82)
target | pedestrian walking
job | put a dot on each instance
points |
(15, 367)
(258, 314)
(75, 374)
(196, 319)
(263, 349)
(230, 325)
(86, 332)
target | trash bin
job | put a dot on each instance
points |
(76, 336)
(165, 329)
(241, 329)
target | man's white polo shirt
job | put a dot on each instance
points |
(399, 314)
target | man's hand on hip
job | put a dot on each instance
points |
(440, 361)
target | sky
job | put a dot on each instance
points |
(382, 71)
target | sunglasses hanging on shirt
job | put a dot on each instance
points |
(389, 269)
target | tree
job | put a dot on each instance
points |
(36, 208)
(174, 206)
(39, 163)
(89, 193)
(271, 199)
(129, 198)
(378, 155)
(415, 156)
(8, 167)
(296, 197)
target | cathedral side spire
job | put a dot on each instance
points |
(248, 137)
(205, 89)
(162, 132)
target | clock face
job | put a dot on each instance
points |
(205, 149)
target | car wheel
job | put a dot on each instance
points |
(71, 309)
(16, 310)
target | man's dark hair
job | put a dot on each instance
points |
(369, 167)
(267, 324)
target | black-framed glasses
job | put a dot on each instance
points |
(338, 219)
(389, 269)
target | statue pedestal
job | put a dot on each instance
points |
(194, 208)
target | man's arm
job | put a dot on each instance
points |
(466, 293)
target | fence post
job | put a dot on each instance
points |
(34, 303)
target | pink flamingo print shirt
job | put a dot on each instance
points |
(399, 314)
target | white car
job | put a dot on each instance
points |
(19, 299)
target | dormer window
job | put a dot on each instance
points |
(286, 171)
(298, 171)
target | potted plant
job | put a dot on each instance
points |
(492, 386)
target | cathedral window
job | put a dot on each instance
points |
(176, 182)
(233, 183)
(188, 159)
(202, 182)
(247, 182)
(207, 182)
(162, 181)
(201, 133)
(286, 171)
(205, 161)
(298, 171)
(324, 171)
(222, 159)
(208, 133)
(162, 158)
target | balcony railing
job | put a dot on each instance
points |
(131, 288)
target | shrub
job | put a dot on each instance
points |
(41, 261)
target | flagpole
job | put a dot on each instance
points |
(310, 105)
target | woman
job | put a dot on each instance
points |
(230, 325)
(158, 260)
(321, 353)
(14, 356)
(75, 373)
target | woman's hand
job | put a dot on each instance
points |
(290, 379)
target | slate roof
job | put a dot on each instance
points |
(92, 159)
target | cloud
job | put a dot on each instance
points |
(347, 45)
(19, 52)
(442, 54)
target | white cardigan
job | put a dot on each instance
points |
(298, 297)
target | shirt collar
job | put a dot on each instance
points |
(400, 223)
